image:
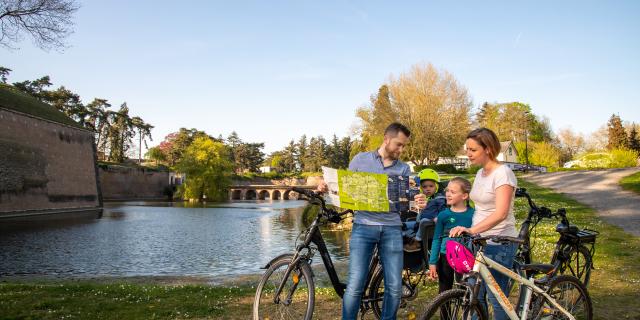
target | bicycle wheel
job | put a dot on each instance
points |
(296, 300)
(578, 264)
(570, 294)
(453, 304)
(416, 295)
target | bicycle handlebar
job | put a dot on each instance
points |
(543, 212)
(331, 214)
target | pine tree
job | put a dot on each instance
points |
(617, 134)
(634, 142)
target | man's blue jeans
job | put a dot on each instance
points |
(504, 255)
(364, 239)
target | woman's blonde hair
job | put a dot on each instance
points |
(488, 140)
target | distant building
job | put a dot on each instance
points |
(508, 155)
(266, 169)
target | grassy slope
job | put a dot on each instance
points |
(614, 288)
(13, 99)
(631, 183)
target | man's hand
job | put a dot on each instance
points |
(421, 201)
(322, 188)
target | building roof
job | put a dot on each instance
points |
(16, 100)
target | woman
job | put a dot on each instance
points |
(493, 193)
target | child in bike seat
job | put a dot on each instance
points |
(429, 185)
(459, 213)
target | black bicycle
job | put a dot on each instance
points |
(574, 250)
(287, 288)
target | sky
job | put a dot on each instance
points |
(275, 70)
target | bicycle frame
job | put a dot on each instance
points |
(482, 266)
(315, 236)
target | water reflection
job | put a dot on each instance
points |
(160, 238)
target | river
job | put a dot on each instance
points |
(160, 239)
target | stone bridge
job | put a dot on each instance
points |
(264, 192)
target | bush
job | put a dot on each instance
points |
(621, 158)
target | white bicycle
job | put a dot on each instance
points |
(561, 297)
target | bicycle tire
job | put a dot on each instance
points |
(303, 303)
(410, 306)
(457, 298)
(578, 264)
(570, 293)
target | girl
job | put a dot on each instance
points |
(458, 214)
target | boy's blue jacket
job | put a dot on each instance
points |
(436, 204)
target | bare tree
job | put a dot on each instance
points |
(437, 109)
(48, 22)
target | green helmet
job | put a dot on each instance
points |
(429, 174)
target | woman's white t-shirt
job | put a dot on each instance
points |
(483, 194)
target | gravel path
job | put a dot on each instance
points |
(601, 191)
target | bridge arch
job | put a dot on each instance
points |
(236, 194)
(276, 195)
(263, 195)
(250, 195)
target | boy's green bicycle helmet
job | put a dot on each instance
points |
(430, 174)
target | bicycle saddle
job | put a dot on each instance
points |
(538, 267)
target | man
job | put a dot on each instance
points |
(382, 229)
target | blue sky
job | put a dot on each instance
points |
(273, 71)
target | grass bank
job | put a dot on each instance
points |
(614, 287)
(631, 183)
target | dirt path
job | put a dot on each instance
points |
(601, 191)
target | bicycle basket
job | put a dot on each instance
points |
(460, 258)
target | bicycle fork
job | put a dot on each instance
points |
(296, 278)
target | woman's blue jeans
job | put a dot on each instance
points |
(504, 255)
(364, 239)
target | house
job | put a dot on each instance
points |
(266, 169)
(508, 155)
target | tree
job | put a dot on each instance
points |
(48, 22)
(616, 133)
(375, 119)
(302, 152)
(317, 155)
(249, 157)
(435, 107)
(634, 141)
(4, 73)
(120, 133)
(98, 121)
(156, 154)
(36, 88)
(544, 154)
(208, 169)
(144, 132)
(570, 143)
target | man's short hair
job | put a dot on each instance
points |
(393, 129)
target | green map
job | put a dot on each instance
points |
(357, 190)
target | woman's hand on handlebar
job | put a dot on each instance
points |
(459, 230)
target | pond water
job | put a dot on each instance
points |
(160, 239)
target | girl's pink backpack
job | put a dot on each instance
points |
(460, 258)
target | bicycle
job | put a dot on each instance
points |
(414, 276)
(563, 297)
(287, 289)
(574, 249)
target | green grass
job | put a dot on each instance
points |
(631, 183)
(117, 301)
(13, 99)
(614, 285)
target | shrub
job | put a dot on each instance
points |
(622, 158)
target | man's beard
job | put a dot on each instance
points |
(391, 154)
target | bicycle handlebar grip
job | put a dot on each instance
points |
(303, 191)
